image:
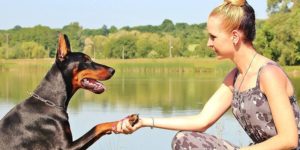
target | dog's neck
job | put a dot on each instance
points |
(53, 88)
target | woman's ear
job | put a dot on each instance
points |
(235, 37)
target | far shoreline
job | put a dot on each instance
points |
(158, 65)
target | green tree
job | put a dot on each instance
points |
(113, 29)
(89, 47)
(94, 46)
(99, 44)
(121, 45)
(31, 50)
(105, 31)
(74, 32)
(279, 6)
(277, 37)
(145, 44)
(27, 50)
(167, 26)
(174, 46)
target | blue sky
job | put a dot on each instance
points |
(120, 13)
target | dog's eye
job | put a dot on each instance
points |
(87, 59)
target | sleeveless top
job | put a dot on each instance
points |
(252, 110)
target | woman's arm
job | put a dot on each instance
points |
(216, 106)
(274, 83)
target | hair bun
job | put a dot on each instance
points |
(236, 2)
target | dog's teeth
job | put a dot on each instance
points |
(93, 85)
(97, 88)
(86, 81)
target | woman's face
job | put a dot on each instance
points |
(219, 40)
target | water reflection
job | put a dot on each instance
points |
(167, 91)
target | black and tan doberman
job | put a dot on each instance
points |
(41, 121)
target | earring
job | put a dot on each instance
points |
(234, 41)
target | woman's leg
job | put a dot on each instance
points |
(185, 140)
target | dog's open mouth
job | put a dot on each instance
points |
(92, 85)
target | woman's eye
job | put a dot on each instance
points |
(212, 37)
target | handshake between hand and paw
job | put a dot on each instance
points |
(128, 124)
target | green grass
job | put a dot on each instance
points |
(179, 65)
(166, 65)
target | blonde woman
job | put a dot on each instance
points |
(258, 91)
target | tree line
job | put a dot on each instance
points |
(278, 38)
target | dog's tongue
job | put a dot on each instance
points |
(93, 85)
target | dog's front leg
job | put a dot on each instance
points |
(92, 136)
(96, 132)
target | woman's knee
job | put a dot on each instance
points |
(197, 140)
(177, 140)
(187, 140)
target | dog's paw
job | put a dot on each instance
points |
(133, 119)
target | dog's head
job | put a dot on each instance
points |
(79, 69)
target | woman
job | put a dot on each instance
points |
(258, 91)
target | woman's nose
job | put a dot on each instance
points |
(209, 43)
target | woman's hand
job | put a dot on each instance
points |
(127, 125)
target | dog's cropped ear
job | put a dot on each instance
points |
(63, 47)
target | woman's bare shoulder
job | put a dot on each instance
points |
(229, 78)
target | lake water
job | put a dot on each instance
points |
(148, 94)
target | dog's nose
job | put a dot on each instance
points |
(111, 71)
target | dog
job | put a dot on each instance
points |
(41, 121)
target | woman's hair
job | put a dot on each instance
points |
(237, 15)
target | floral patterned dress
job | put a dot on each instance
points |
(251, 109)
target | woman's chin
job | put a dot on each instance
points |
(219, 57)
(222, 56)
